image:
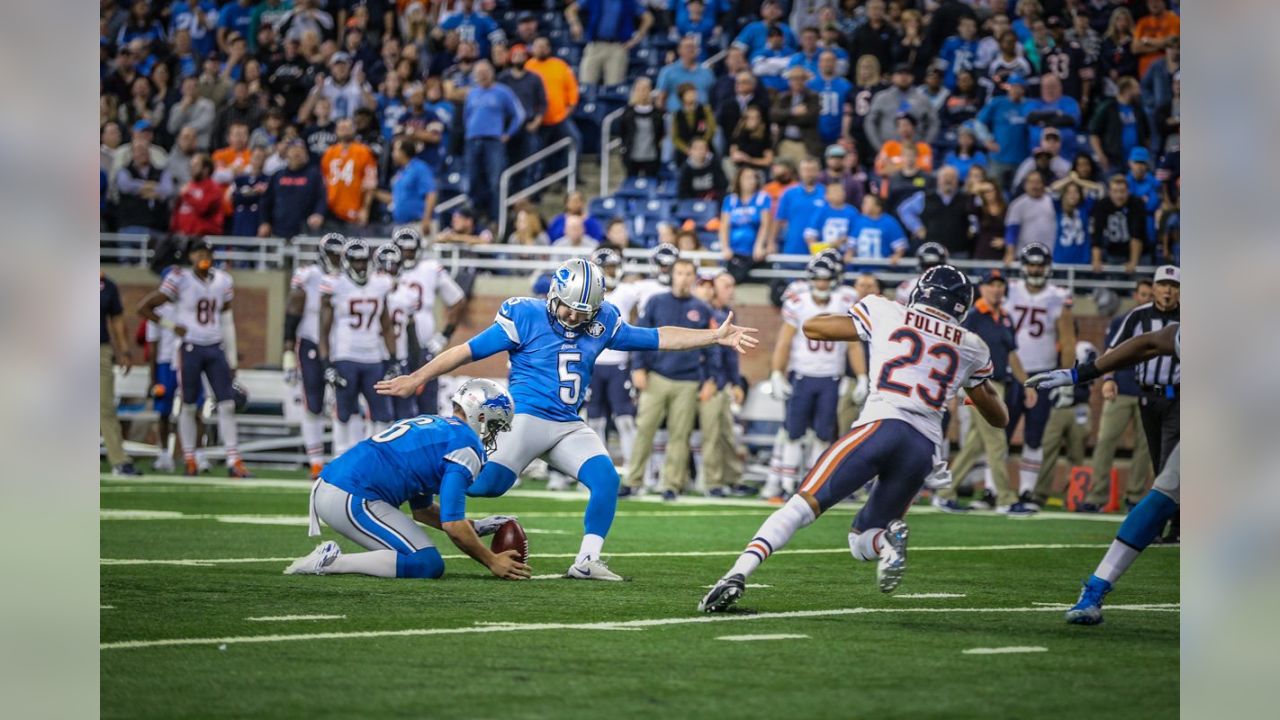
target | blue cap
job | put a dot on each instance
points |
(1140, 154)
(993, 275)
(1016, 79)
(142, 126)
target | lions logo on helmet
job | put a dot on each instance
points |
(579, 286)
(487, 408)
(1036, 261)
(331, 252)
(355, 260)
(943, 288)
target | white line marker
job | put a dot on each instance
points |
(106, 607)
(750, 638)
(1006, 650)
(518, 626)
(928, 596)
(696, 553)
(646, 623)
(290, 618)
(542, 531)
(749, 585)
(553, 576)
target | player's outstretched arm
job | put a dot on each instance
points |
(989, 404)
(1135, 350)
(442, 364)
(831, 327)
(737, 337)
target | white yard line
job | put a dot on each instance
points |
(621, 624)
(696, 553)
(750, 638)
(290, 618)
(106, 607)
(928, 596)
(1006, 650)
(749, 585)
(301, 519)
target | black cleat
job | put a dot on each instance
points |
(724, 594)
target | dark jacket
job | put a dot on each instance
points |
(704, 183)
(529, 90)
(1106, 124)
(867, 40)
(725, 100)
(685, 127)
(291, 196)
(807, 122)
(627, 128)
(688, 312)
(1113, 237)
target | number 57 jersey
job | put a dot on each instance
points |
(918, 362)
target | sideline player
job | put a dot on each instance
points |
(920, 357)
(664, 258)
(302, 350)
(360, 493)
(807, 373)
(1145, 521)
(355, 339)
(1046, 335)
(429, 280)
(403, 304)
(553, 346)
(610, 393)
(208, 335)
(928, 255)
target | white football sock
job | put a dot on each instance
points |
(1117, 560)
(378, 563)
(313, 436)
(989, 481)
(227, 429)
(590, 548)
(599, 426)
(866, 545)
(789, 466)
(340, 444)
(187, 431)
(815, 451)
(774, 534)
(626, 425)
(1029, 468)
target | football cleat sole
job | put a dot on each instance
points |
(725, 593)
(893, 556)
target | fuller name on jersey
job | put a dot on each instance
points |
(1035, 320)
(428, 279)
(357, 317)
(815, 358)
(308, 279)
(918, 361)
(199, 302)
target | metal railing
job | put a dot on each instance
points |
(607, 145)
(569, 173)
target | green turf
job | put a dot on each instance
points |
(875, 664)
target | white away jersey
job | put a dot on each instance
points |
(843, 293)
(357, 317)
(404, 302)
(1035, 320)
(645, 289)
(199, 303)
(428, 279)
(815, 358)
(903, 293)
(307, 279)
(918, 362)
(625, 297)
(165, 339)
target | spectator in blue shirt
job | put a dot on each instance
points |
(140, 26)
(696, 20)
(1144, 185)
(610, 28)
(1054, 110)
(1004, 121)
(476, 27)
(234, 17)
(491, 115)
(836, 111)
(686, 69)
(966, 153)
(797, 208)
(769, 63)
(754, 36)
(832, 226)
(960, 52)
(199, 20)
(413, 186)
(875, 234)
(744, 222)
(1072, 245)
(807, 56)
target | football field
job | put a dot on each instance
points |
(198, 621)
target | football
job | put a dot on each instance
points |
(511, 537)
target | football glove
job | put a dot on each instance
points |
(289, 364)
(779, 388)
(333, 379)
(1052, 379)
(489, 525)
(861, 390)
(1063, 397)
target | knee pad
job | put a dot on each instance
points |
(425, 563)
(494, 480)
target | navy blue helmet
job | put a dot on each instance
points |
(1036, 260)
(944, 288)
(931, 254)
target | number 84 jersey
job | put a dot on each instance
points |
(918, 362)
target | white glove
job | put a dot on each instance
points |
(289, 363)
(1052, 379)
(437, 344)
(844, 387)
(490, 525)
(779, 388)
(1063, 397)
(939, 477)
(861, 390)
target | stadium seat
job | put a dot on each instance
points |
(606, 208)
(699, 211)
(588, 117)
(637, 188)
(569, 54)
(451, 184)
(645, 57)
(709, 240)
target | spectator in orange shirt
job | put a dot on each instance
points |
(783, 172)
(350, 175)
(891, 157)
(562, 99)
(1154, 33)
(233, 160)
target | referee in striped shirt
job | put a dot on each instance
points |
(1158, 377)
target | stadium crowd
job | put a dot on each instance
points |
(867, 125)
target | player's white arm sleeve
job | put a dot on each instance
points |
(229, 338)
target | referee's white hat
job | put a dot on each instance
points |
(1168, 273)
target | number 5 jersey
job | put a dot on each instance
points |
(918, 362)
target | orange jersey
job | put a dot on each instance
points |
(560, 85)
(891, 153)
(1153, 28)
(348, 171)
(228, 158)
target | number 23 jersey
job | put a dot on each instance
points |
(918, 362)
(551, 368)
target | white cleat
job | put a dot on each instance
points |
(592, 569)
(163, 463)
(315, 562)
(893, 556)
(202, 461)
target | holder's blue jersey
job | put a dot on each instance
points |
(411, 461)
(550, 366)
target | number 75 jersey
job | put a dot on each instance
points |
(1035, 320)
(918, 362)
